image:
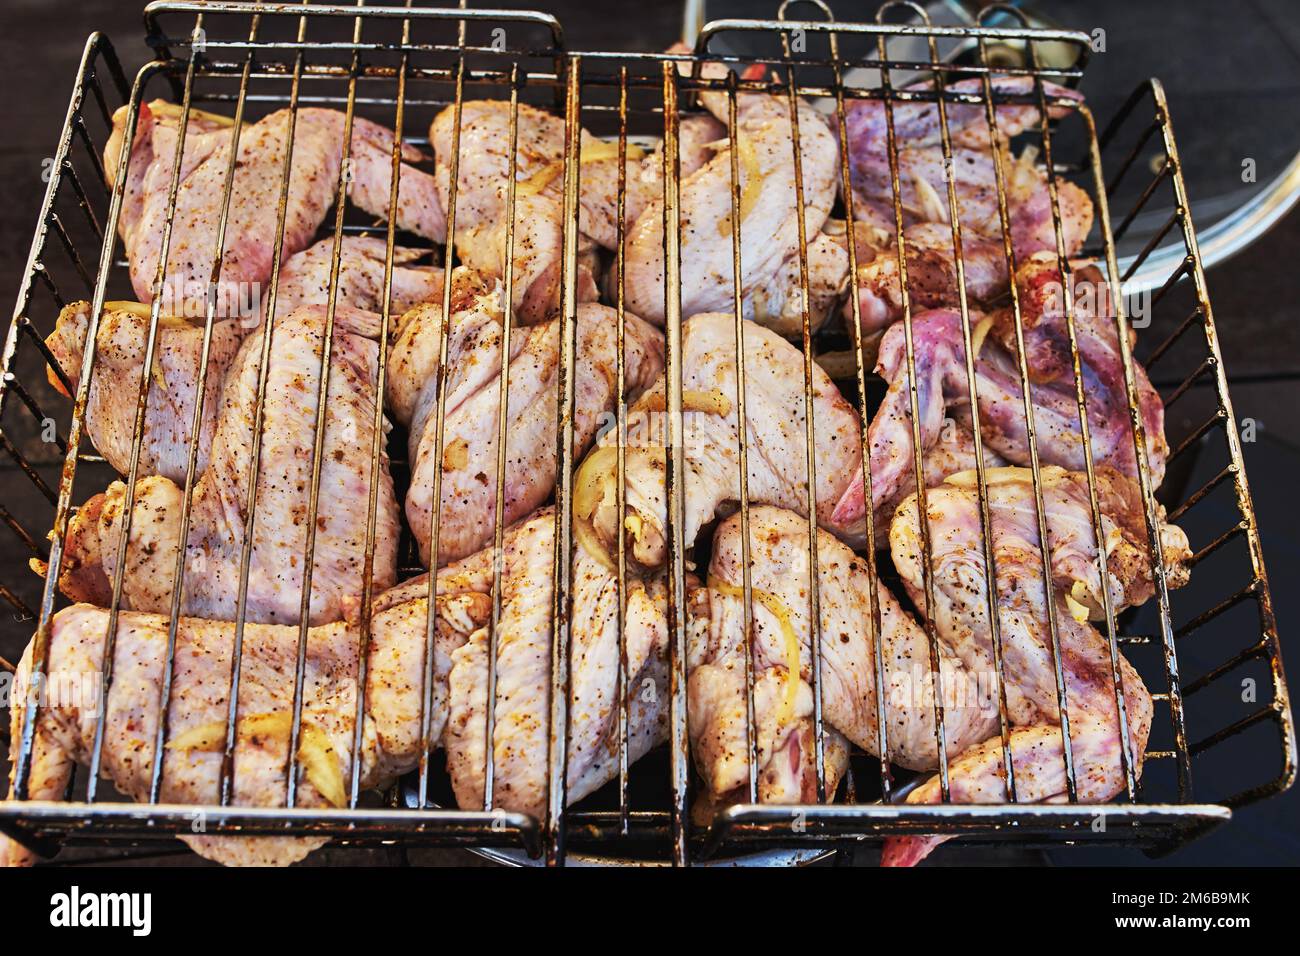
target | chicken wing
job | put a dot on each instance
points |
(483, 170)
(482, 177)
(764, 138)
(485, 162)
(710, 434)
(284, 473)
(305, 277)
(173, 386)
(522, 703)
(247, 256)
(942, 383)
(197, 715)
(923, 194)
(781, 646)
(960, 614)
(468, 465)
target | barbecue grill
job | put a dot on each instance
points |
(400, 65)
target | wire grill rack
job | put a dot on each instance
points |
(400, 65)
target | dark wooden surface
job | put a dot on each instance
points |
(1255, 294)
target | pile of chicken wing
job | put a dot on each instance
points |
(305, 564)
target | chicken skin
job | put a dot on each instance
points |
(173, 386)
(248, 254)
(197, 715)
(468, 463)
(783, 684)
(216, 536)
(960, 614)
(710, 433)
(942, 384)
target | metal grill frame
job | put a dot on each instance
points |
(619, 78)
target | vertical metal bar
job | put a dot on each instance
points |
(142, 402)
(1127, 757)
(561, 607)
(981, 477)
(918, 457)
(503, 403)
(196, 422)
(259, 412)
(318, 440)
(439, 420)
(996, 146)
(742, 422)
(810, 439)
(620, 388)
(378, 434)
(675, 487)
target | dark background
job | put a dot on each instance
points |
(1233, 75)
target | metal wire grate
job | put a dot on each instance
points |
(402, 65)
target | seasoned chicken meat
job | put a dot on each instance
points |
(523, 642)
(317, 137)
(305, 277)
(923, 183)
(468, 463)
(769, 211)
(277, 556)
(173, 385)
(774, 432)
(482, 178)
(931, 274)
(942, 384)
(960, 614)
(199, 704)
(781, 647)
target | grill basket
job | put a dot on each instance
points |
(1210, 654)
